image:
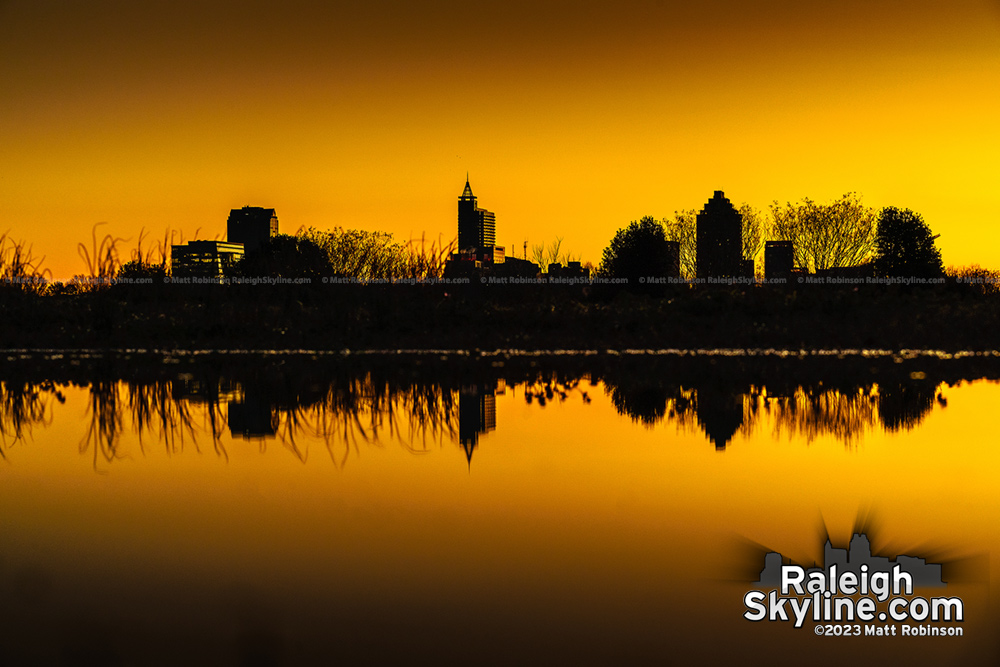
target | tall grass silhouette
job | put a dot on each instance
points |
(20, 270)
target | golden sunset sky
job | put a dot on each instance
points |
(572, 118)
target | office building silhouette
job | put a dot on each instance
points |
(719, 238)
(252, 226)
(779, 260)
(204, 259)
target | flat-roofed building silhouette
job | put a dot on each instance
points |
(779, 260)
(204, 259)
(719, 237)
(252, 226)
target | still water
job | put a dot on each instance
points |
(510, 509)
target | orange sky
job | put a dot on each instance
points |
(572, 118)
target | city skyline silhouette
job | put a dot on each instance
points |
(576, 120)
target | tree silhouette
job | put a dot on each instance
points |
(683, 229)
(754, 230)
(826, 235)
(639, 250)
(904, 245)
(286, 257)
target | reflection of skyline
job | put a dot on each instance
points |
(345, 408)
(723, 411)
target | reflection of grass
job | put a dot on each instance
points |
(154, 407)
(22, 406)
(366, 410)
(106, 422)
(153, 410)
(347, 413)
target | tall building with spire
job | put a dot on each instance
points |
(477, 227)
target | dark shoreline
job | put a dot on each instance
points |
(531, 317)
(831, 368)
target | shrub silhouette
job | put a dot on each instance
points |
(637, 251)
(904, 245)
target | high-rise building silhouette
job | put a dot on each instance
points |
(252, 226)
(719, 250)
(476, 226)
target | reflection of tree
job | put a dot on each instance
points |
(22, 405)
(802, 411)
(904, 406)
(650, 402)
(720, 411)
(810, 413)
(542, 388)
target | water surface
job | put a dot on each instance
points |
(293, 509)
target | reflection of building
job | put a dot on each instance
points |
(199, 390)
(719, 240)
(251, 416)
(720, 414)
(252, 226)
(204, 259)
(477, 415)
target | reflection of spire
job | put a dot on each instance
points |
(477, 414)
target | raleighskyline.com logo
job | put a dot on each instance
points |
(854, 587)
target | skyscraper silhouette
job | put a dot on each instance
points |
(252, 226)
(476, 226)
(719, 250)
